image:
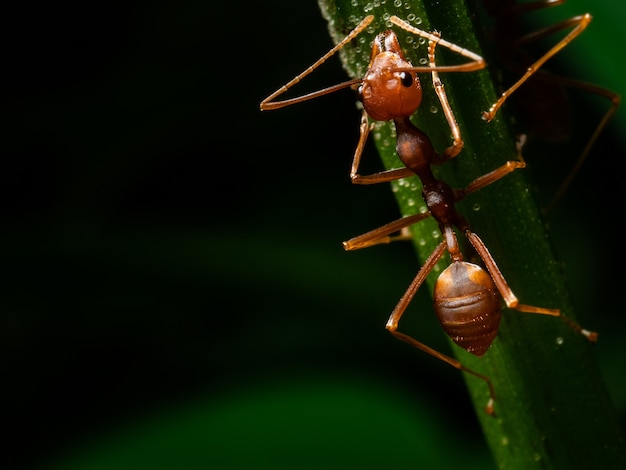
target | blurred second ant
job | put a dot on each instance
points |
(539, 94)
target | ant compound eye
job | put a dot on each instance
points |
(406, 78)
(359, 92)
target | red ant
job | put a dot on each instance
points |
(539, 88)
(465, 295)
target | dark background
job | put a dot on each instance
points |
(173, 282)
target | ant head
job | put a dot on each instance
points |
(387, 92)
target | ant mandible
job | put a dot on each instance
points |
(465, 295)
(509, 43)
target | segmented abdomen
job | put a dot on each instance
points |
(468, 306)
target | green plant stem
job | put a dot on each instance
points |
(552, 407)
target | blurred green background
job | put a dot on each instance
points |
(174, 288)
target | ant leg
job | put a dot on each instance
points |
(380, 177)
(457, 144)
(509, 297)
(381, 234)
(578, 22)
(488, 178)
(365, 129)
(615, 100)
(477, 61)
(268, 103)
(394, 319)
(494, 175)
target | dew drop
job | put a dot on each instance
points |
(476, 207)
(434, 109)
(559, 340)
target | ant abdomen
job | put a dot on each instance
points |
(468, 306)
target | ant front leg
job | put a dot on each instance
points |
(476, 61)
(379, 177)
(457, 144)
